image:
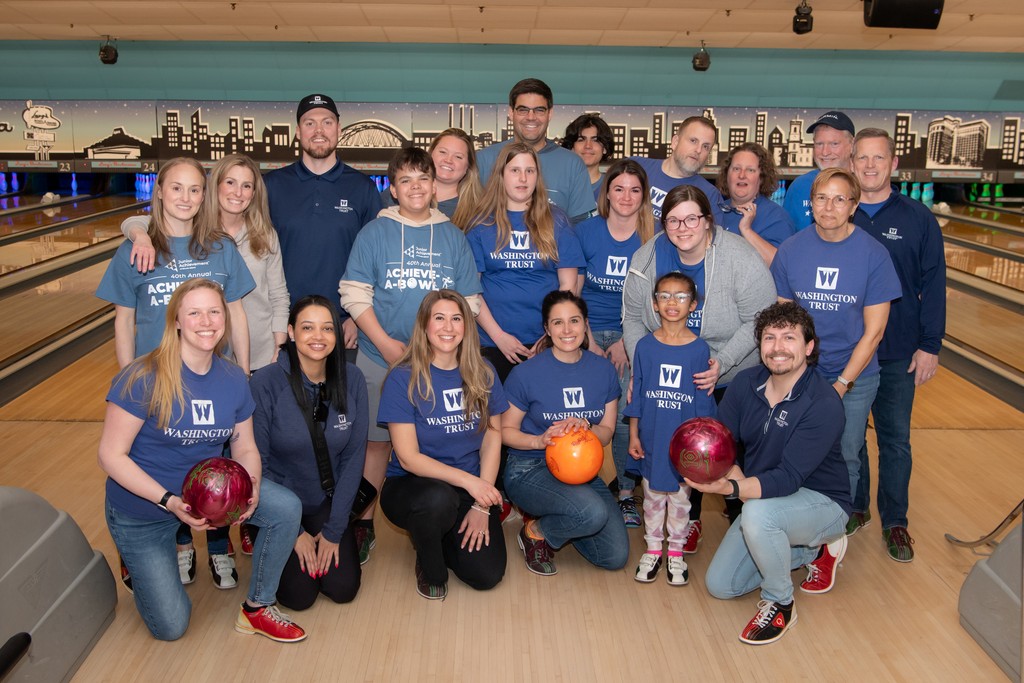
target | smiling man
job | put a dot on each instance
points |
(530, 108)
(833, 147)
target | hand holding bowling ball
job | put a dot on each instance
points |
(217, 489)
(575, 457)
(702, 450)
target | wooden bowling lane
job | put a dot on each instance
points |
(992, 329)
(23, 253)
(997, 269)
(884, 621)
(27, 220)
(1008, 240)
(1013, 218)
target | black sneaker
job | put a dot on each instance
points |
(539, 555)
(648, 568)
(771, 621)
(429, 590)
(630, 514)
(222, 567)
(187, 565)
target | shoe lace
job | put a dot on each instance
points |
(272, 613)
(766, 610)
(899, 537)
(693, 531)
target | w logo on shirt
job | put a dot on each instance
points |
(572, 397)
(454, 401)
(519, 240)
(202, 412)
(827, 278)
(616, 266)
(172, 265)
(671, 375)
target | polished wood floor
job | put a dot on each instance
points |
(884, 621)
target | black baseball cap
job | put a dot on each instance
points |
(315, 102)
(834, 119)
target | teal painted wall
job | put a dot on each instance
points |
(374, 72)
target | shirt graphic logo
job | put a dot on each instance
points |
(172, 265)
(202, 412)
(520, 240)
(573, 397)
(616, 266)
(671, 375)
(827, 278)
(343, 423)
(343, 206)
(454, 400)
(657, 196)
(893, 234)
(780, 419)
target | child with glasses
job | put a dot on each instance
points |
(663, 397)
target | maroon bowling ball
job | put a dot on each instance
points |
(702, 449)
(217, 489)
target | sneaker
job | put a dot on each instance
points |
(223, 569)
(126, 577)
(693, 536)
(429, 590)
(678, 573)
(770, 623)
(648, 568)
(858, 520)
(187, 565)
(245, 533)
(899, 543)
(366, 540)
(821, 574)
(539, 555)
(270, 622)
(630, 515)
(509, 513)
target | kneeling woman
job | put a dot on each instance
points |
(442, 403)
(310, 425)
(564, 388)
(167, 411)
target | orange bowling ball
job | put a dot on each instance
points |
(576, 457)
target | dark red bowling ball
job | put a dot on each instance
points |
(218, 489)
(702, 449)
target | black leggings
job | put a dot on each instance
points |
(432, 511)
(298, 590)
(503, 367)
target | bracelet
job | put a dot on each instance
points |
(481, 509)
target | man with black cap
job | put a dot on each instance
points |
(318, 205)
(833, 147)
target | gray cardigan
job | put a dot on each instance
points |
(737, 286)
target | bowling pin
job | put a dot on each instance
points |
(14, 182)
(3, 183)
(903, 189)
(928, 194)
(915, 191)
(74, 184)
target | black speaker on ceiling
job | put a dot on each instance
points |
(903, 13)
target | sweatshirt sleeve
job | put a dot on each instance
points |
(933, 289)
(753, 290)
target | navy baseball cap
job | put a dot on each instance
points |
(834, 119)
(315, 102)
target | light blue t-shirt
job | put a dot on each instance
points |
(607, 264)
(667, 261)
(661, 184)
(442, 430)
(772, 222)
(149, 293)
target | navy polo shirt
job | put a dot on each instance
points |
(317, 218)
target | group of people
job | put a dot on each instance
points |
(490, 303)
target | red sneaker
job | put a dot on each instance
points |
(769, 624)
(245, 532)
(693, 536)
(270, 622)
(821, 574)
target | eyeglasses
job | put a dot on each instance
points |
(692, 221)
(838, 201)
(320, 408)
(526, 111)
(665, 297)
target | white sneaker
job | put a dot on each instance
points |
(187, 565)
(223, 569)
(648, 568)
(678, 573)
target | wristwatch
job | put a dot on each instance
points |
(735, 490)
(848, 383)
(163, 501)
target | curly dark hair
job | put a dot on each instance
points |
(580, 124)
(788, 314)
(765, 164)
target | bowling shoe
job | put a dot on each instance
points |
(366, 540)
(126, 577)
(648, 568)
(270, 622)
(245, 533)
(539, 555)
(858, 520)
(222, 567)
(187, 565)
(770, 623)
(899, 543)
(678, 573)
(429, 590)
(630, 514)
(821, 574)
(693, 536)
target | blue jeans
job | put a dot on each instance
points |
(856, 406)
(147, 547)
(585, 515)
(771, 538)
(620, 439)
(891, 412)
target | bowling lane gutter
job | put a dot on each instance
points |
(972, 220)
(39, 206)
(993, 207)
(63, 225)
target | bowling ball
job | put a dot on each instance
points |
(702, 449)
(218, 489)
(575, 457)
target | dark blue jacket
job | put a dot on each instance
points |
(793, 445)
(910, 233)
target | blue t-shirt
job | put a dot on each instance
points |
(442, 430)
(149, 293)
(798, 200)
(772, 223)
(661, 184)
(515, 279)
(664, 396)
(548, 390)
(216, 402)
(607, 264)
(667, 261)
(835, 281)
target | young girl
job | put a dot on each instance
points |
(663, 397)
